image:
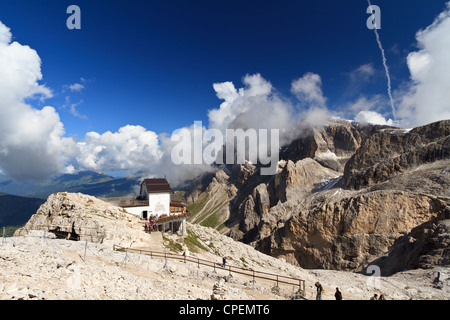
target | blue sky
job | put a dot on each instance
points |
(162, 57)
(154, 63)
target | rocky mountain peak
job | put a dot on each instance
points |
(344, 196)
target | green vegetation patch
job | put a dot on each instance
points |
(198, 206)
(192, 242)
(172, 245)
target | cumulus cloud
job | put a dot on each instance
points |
(258, 105)
(426, 98)
(5, 34)
(33, 144)
(131, 148)
(241, 104)
(372, 117)
(309, 90)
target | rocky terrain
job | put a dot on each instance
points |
(39, 263)
(81, 217)
(365, 209)
(344, 197)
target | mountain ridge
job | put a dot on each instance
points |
(350, 170)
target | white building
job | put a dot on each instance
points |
(154, 199)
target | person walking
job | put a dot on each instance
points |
(319, 290)
(338, 294)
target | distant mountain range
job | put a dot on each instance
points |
(87, 182)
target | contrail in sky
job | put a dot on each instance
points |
(385, 66)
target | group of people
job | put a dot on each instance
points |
(338, 293)
(150, 225)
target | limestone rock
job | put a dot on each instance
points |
(347, 234)
(81, 217)
(219, 290)
(388, 153)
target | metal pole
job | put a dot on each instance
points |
(253, 282)
(197, 277)
(85, 247)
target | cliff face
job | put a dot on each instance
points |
(350, 231)
(390, 152)
(345, 196)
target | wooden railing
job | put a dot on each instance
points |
(276, 278)
(166, 219)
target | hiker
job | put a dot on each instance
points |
(381, 297)
(319, 290)
(375, 297)
(437, 279)
(224, 262)
(338, 294)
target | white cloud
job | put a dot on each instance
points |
(259, 106)
(362, 73)
(255, 106)
(309, 89)
(250, 100)
(363, 103)
(131, 148)
(5, 34)
(72, 108)
(32, 144)
(76, 87)
(372, 117)
(427, 97)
